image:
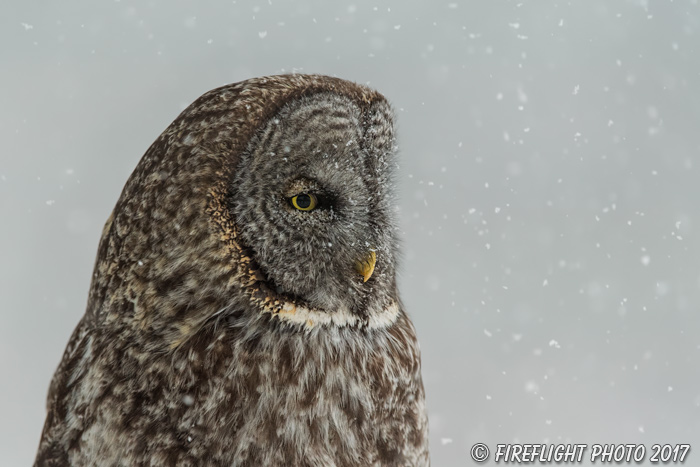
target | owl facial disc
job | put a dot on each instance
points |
(312, 197)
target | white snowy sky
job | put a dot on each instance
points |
(549, 190)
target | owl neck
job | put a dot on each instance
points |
(309, 318)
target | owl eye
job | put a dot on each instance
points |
(304, 201)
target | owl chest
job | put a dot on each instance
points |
(304, 389)
(263, 401)
(291, 400)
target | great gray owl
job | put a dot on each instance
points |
(244, 307)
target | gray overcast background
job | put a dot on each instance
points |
(549, 191)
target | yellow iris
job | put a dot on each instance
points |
(304, 201)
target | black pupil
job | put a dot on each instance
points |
(303, 201)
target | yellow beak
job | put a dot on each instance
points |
(366, 265)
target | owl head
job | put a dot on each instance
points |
(268, 197)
